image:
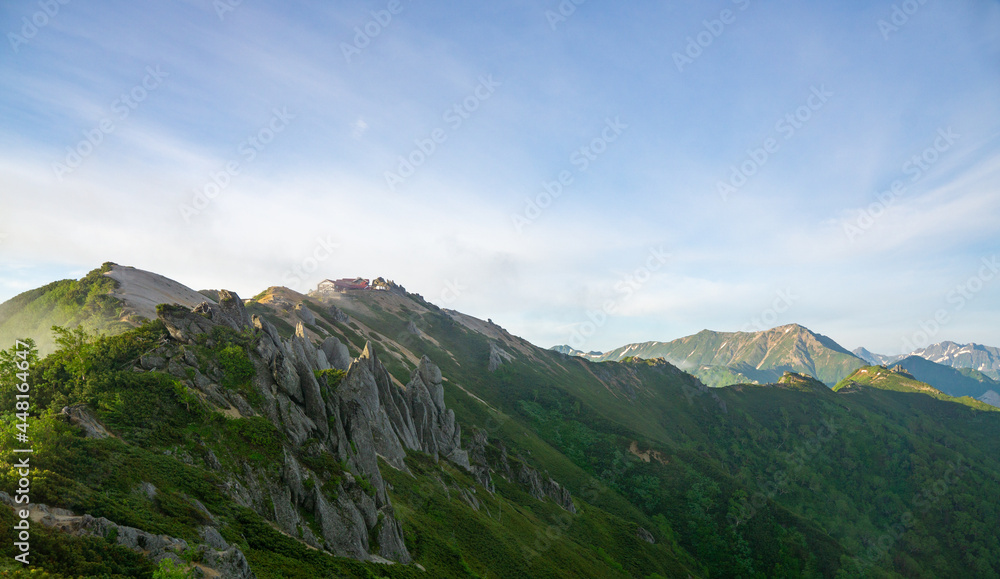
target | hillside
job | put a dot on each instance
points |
(109, 299)
(898, 379)
(950, 380)
(328, 434)
(88, 302)
(721, 357)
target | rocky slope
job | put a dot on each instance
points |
(362, 418)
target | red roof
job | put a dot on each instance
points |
(348, 283)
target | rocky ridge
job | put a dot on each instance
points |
(357, 420)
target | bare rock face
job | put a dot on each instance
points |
(559, 495)
(645, 535)
(233, 313)
(436, 431)
(338, 315)
(336, 353)
(480, 467)
(371, 399)
(305, 314)
(497, 357)
(81, 416)
(184, 324)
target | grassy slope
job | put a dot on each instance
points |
(66, 303)
(884, 379)
(723, 454)
(951, 381)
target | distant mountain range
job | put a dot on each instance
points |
(875, 359)
(724, 358)
(984, 359)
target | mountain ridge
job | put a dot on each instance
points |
(575, 468)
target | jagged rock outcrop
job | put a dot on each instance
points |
(83, 417)
(366, 416)
(338, 315)
(480, 467)
(539, 486)
(184, 324)
(497, 357)
(434, 428)
(644, 535)
(218, 558)
(558, 494)
(336, 353)
(305, 314)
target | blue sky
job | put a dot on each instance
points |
(296, 126)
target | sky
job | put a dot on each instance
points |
(581, 172)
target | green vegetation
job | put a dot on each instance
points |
(883, 477)
(951, 381)
(69, 303)
(898, 380)
(739, 489)
(170, 570)
(512, 534)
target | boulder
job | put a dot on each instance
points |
(336, 353)
(305, 314)
(645, 535)
(81, 416)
